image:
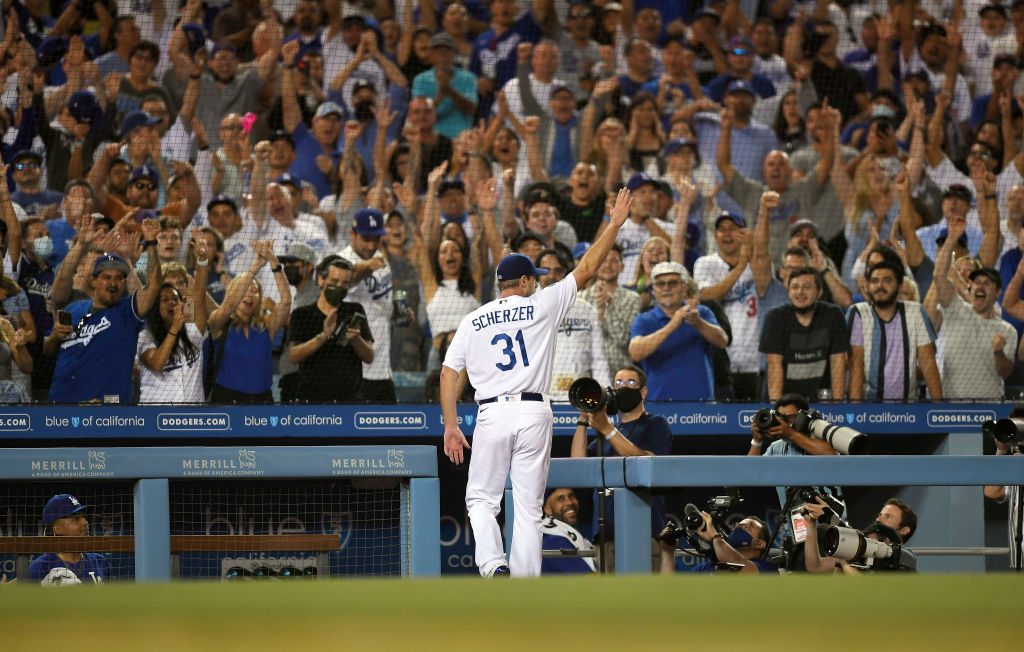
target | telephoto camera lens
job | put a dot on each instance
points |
(692, 520)
(849, 544)
(1008, 431)
(765, 418)
(587, 395)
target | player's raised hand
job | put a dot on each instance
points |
(620, 211)
(454, 443)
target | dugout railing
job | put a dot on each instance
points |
(949, 503)
(153, 473)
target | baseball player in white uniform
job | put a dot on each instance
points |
(507, 347)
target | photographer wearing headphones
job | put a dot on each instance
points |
(742, 547)
(784, 439)
(638, 433)
(895, 516)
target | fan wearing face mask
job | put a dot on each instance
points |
(743, 546)
(330, 339)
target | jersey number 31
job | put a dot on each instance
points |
(509, 352)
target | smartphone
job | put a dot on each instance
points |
(189, 308)
(64, 318)
(355, 321)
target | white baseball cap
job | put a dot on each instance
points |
(669, 267)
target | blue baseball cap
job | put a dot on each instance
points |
(195, 34)
(580, 249)
(136, 120)
(740, 86)
(51, 50)
(726, 215)
(639, 180)
(369, 223)
(222, 199)
(84, 107)
(289, 179)
(514, 266)
(450, 183)
(145, 172)
(111, 261)
(61, 506)
(224, 45)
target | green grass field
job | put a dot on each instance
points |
(607, 613)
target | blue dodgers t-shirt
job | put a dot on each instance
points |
(35, 203)
(679, 369)
(307, 148)
(495, 57)
(97, 360)
(92, 569)
(650, 433)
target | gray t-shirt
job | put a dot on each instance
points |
(796, 203)
(217, 100)
(968, 364)
(827, 212)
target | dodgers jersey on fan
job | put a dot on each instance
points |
(579, 351)
(509, 343)
(558, 535)
(741, 305)
(374, 292)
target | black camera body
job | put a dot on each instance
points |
(1005, 431)
(766, 418)
(587, 395)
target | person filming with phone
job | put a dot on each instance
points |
(330, 340)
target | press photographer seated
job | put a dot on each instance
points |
(743, 547)
(895, 524)
(786, 440)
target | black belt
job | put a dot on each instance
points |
(525, 396)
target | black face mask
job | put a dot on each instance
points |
(628, 398)
(334, 295)
(294, 275)
(364, 110)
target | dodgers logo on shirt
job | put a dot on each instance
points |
(86, 333)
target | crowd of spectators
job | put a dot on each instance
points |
(295, 200)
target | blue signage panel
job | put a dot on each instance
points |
(114, 422)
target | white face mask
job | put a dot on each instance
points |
(42, 247)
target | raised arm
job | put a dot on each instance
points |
(761, 262)
(988, 215)
(591, 260)
(1012, 303)
(236, 292)
(291, 113)
(687, 195)
(60, 293)
(149, 295)
(912, 244)
(723, 155)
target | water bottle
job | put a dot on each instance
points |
(401, 308)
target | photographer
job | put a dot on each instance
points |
(639, 433)
(743, 546)
(1010, 494)
(330, 339)
(895, 514)
(784, 439)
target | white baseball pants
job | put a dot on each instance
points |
(510, 439)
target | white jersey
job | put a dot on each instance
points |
(181, 380)
(579, 351)
(631, 238)
(374, 292)
(741, 307)
(508, 345)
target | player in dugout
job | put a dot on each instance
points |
(64, 516)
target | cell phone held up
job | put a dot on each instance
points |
(355, 321)
(64, 318)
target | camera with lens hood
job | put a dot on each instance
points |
(587, 395)
(844, 439)
(856, 547)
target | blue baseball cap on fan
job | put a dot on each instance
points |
(514, 266)
(84, 107)
(369, 223)
(740, 86)
(61, 506)
(639, 180)
(111, 261)
(580, 249)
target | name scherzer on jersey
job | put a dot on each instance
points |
(560, 535)
(508, 345)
